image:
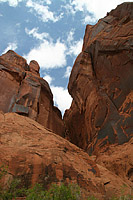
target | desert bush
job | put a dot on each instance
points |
(37, 192)
(56, 192)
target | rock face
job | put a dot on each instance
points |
(23, 91)
(101, 84)
(119, 160)
(34, 154)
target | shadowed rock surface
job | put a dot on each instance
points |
(23, 91)
(101, 84)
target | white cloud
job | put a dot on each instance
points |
(69, 9)
(48, 78)
(68, 72)
(75, 48)
(70, 36)
(12, 3)
(51, 54)
(43, 11)
(48, 54)
(34, 32)
(47, 2)
(11, 46)
(98, 8)
(89, 19)
(62, 98)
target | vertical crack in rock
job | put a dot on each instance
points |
(92, 63)
(14, 100)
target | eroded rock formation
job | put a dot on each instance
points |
(34, 154)
(101, 84)
(23, 91)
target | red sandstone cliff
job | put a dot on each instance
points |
(23, 91)
(101, 84)
(100, 117)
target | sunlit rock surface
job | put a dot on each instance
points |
(23, 91)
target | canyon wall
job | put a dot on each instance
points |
(101, 84)
(99, 120)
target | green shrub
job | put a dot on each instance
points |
(56, 192)
(35, 193)
(12, 190)
(3, 171)
(62, 192)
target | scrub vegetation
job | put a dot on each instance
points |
(13, 190)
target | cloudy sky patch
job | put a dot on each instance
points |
(98, 8)
(48, 78)
(62, 98)
(12, 46)
(43, 11)
(75, 48)
(48, 54)
(68, 72)
(12, 3)
(34, 33)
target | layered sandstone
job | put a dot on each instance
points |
(101, 84)
(34, 154)
(23, 91)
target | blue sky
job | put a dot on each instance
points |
(50, 32)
